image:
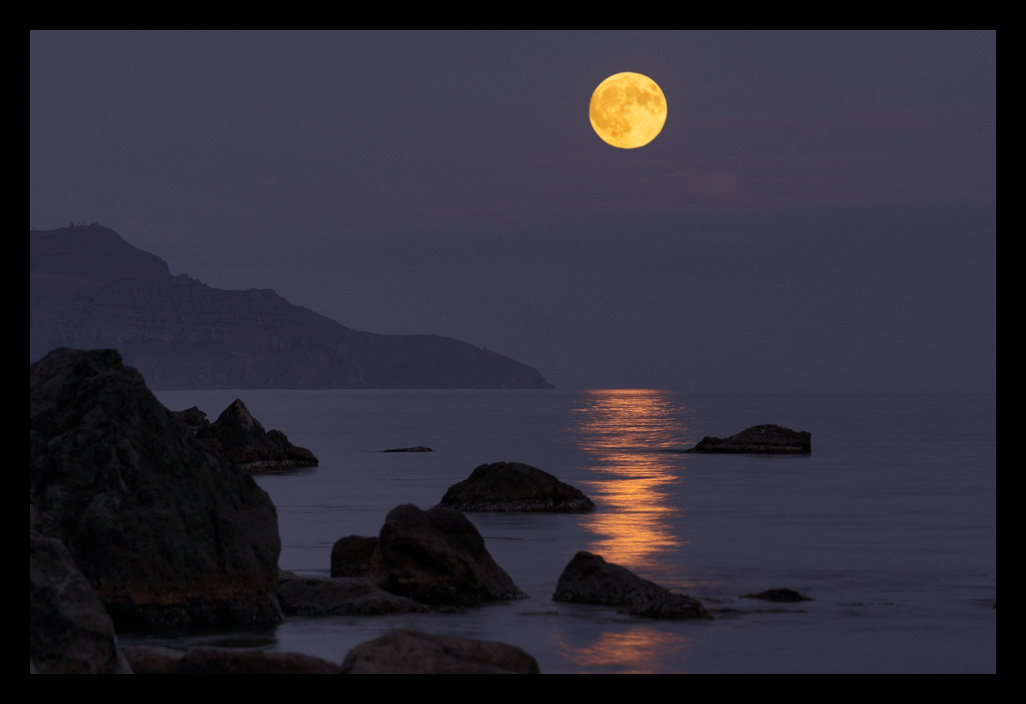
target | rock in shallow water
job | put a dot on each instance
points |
(436, 557)
(514, 486)
(589, 579)
(780, 595)
(238, 437)
(759, 439)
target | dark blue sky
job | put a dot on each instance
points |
(819, 211)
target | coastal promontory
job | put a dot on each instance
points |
(90, 289)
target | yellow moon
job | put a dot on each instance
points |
(627, 110)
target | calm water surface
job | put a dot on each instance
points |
(890, 524)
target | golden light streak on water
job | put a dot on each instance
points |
(627, 432)
(632, 651)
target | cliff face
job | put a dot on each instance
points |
(90, 289)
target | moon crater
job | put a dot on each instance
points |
(628, 110)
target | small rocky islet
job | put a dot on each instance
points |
(121, 540)
(237, 437)
(767, 439)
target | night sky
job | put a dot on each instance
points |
(818, 213)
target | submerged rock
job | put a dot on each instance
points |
(167, 534)
(514, 486)
(418, 448)
(759, 439)
(238, 437)
(589, 579)
(781, 595)
(413, 652)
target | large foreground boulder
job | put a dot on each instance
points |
(589, 579)
(238, 437)
(167, 534)
(413, 652)
(69, 630)
(436, 557)
(514, 486)
(759, 439)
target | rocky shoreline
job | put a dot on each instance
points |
(145, 519)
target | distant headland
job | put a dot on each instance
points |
(90, 289)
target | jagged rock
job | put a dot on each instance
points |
(238, 437)
(589, 579)
(149, 660)
(514, 486)
(167, 534)
(437, 557)
(413, 652)
(315, 596)
(759, 439)
(782, 595)
(419, 448)
(353, 556)
(69, 630)
(193, 417)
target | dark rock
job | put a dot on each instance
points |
(438, 557)
(353, 556)
(193, 418)
(419, 448)
(148, 660)
(167, 534)
(782, 595)
(69, 630)
(514, 486)
(670, 607)
(759, 439)
(413, 652)
(589, 579)
(238, 437)
(314, 596)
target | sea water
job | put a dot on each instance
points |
(889, 525)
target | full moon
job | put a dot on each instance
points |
(627, 110)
